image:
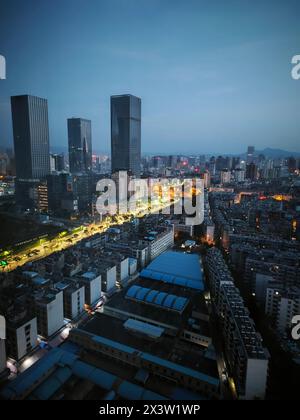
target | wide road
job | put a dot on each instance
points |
(45, 247)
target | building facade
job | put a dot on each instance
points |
(80, 145)
(126, 133)
(31, 144)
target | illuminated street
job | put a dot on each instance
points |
(67, 239)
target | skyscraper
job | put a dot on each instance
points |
(80, 145)
(31, 143)
(57, 162)
(250, 154)
(126, 133)
(31, 136)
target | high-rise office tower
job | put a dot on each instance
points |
(31, 136)
(250, 154)
(126, 133)
(57, 163)
(31, 143)
(80, 145)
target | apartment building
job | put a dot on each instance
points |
(282, 304)
(50, 312)
(246, 356)
(92, 285)
(73, 296)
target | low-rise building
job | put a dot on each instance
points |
(21, 335)
(92, 284)
(50, 312)
(74, 298)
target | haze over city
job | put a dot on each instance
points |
(149, 203)
(213, 76)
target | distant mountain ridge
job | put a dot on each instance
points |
(277, 153)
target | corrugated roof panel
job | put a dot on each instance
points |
(32, 375)
(159, 298)
(52, 384)
(176, 267)
(102, 378)
(82, 369)
(142, 293)
(63, 374)
(179, 281)
(132, 291)
(145, 273)
(170, 299)
(130, 391)
(47, 389)
(151, 296)
(179, 304)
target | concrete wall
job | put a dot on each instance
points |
(95, 289)
(22, 339)
(75, 309)
(111, 277)
(55, 314)
(256, 379)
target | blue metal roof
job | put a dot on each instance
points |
(151, 296)
(142, 293)
(180, 281)
(65, 365)
(154, 297)
(168, 303)
(52, 384)
(160, 298)
(35, 373)
(176, 268)
(133, 291)
(179, 303)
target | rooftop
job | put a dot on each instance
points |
(165, 347)
(177, 268)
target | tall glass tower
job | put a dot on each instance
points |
(31, 136)
(80, 145)
(126, 134)
(31, 143)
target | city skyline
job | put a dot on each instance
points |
(149, 203)
(220, 95)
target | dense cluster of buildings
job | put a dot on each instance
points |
(225, 170)
(60, 287)
(119, 315)
(43, 180)
(259, 230)
(152, 340)
(246, 356)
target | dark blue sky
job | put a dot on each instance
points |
(213, 75)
